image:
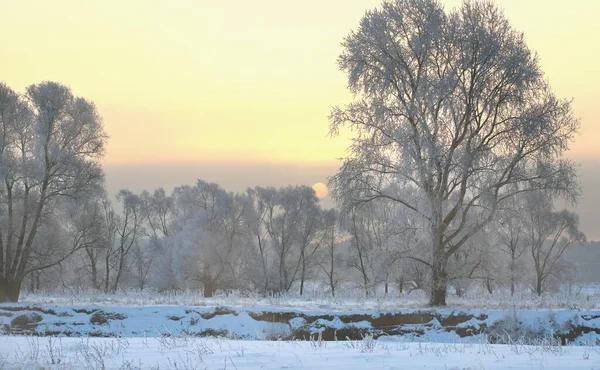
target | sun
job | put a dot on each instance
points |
(320, 190)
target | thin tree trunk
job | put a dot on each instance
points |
(119, 272)
(31, 284)
(107, 269)
(264, 264)
(331, 282)
(363, 271)
(207, 281)
(94, 269)
(282, 275)
(513, 258)
(303, 272)
(94, 276)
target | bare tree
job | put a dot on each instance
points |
(142, 262)
(474, 262)
(157, 212)
(549, 234)
(123, 232)
(282, 227)
(51, 143)
(309, 233)
(453, 106)
(332, 237)
(256, 212)
(287, 209)
(379, 237)
(110, 219)
(359, 260)
(211, 236)
(68, 228)
(511, 232)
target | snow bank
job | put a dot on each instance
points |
(267, 323)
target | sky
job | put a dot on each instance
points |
(238, 92)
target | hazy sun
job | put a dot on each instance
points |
(320, 190)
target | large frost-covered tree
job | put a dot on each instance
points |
(50, 146)
(453, 106)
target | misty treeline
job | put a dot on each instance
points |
(456, 162)
(276, 240)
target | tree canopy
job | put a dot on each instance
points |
(453, 110)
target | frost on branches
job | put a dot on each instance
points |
(50, 146)
(453, 110)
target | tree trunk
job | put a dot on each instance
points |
(38, 275)
(282, 274)
(332, 285)
(331, 282)
(303, 273)
(31, 284)
(208, 288)
(438, 294)
(513, 262)
(93, 257)
(107, 272)
(95, 275)
(438, 276)
(119, 270)
(264, 266)
(207, 281)
(9, 290)
(364, 274)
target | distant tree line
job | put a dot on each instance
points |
(456, 162)
(276, 240)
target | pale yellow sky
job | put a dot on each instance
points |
(246, 81)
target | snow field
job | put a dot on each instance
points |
(161, 344)
(216, 353)
(316, 297)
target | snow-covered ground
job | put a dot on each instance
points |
(168, 337)
(584, 297)
(165, 331)
(216, 353)
(266, 323)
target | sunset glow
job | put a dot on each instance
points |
(201, 82)
(243, 80)
(320, 190)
